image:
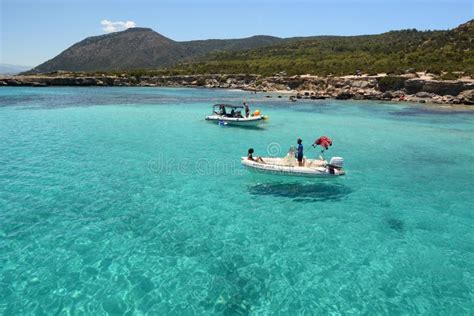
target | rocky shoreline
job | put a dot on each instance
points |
(411, 88)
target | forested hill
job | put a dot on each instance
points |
(143, 50)
(392, 52)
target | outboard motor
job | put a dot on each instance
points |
(337, 162)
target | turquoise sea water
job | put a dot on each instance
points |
(125, 201)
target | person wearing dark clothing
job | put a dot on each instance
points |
(222, 110)
(247, 109)
(300, 153)
(250, 156)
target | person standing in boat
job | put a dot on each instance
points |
(222, 110)
(247, 109)
(299, 153)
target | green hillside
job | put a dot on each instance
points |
(392, 52)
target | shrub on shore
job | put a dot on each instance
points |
(449, 76)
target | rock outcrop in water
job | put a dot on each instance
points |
(387, 88)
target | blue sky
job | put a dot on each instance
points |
(33, 31)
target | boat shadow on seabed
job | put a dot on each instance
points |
(300, 192)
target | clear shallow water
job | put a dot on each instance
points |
(123, 200)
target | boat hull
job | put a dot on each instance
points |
(318, 169)
(244, 121)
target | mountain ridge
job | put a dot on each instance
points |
(152, 50)
(143, 48)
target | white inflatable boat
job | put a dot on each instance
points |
(232, 115)
(289, 166)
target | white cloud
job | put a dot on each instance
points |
(110, 26)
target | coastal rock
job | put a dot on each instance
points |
(444, 87)
(358, 96)
(344, 95)
(295, 84)
(109, 81)
(38, 84)
(467, 97)
(360, 84)
(388, 95)
(398, 94)
(447, 98)
(63, 81)
(447, 87)
(413, 86)
(304, 87)
(13, 82)
(337, 82)
(423, 94)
